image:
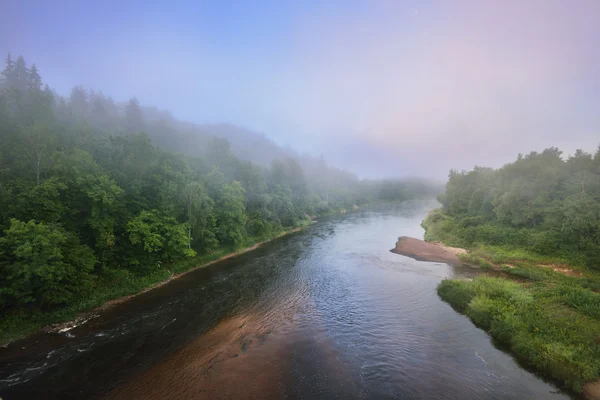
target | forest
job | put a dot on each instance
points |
(100, 199)
(533, 227)
(542, 202)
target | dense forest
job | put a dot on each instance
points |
(91, 190)
(542, 202)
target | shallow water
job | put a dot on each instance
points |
(326, 313)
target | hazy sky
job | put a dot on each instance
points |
(380, 87)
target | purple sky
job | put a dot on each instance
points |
(383, 88)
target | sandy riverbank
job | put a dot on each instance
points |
(424, 251)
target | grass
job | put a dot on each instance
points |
(549, 320)
(113, 284)
(554, 329)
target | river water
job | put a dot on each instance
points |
(326, 313)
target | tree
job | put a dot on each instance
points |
(540, 202)
(93, 193)
(35, 81)
(43, 202)
(98, 111)
(78, 101)
(39, 142)
(231, 218)
(254, 181)
(218, 153)
(9, 72)
(134, 120)
(21, 74)
(215, 182)
(42, 264)
(283, 206)
(289, 173)
(96, 197)
(198, 207)
(163, 238)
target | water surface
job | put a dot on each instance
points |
(327, 313)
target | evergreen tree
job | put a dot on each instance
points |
(78, 101)
(76, 193)
(8, 72)
(35, 81)
(21, 74)
(134, 120)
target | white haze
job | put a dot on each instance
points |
(381, 88)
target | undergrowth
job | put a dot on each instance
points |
(544, 309)
(111, 284)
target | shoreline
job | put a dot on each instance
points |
(512, 269)
(83, 317)
(123, 299)
(421, 250)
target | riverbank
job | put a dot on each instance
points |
(115, 287)
(425, 251)
(545, 312)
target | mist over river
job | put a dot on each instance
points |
(326, 313)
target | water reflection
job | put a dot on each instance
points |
(325, 313)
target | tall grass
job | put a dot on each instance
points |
(552, 328)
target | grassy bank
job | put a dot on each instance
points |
(118, 283)
(544, 310)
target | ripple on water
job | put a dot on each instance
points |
(326, 313)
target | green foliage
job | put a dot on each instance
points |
(199, 209)
(526, 219)
(231, 218)
(127, 192)
(43, 202)
(551, 328)
(458, 293)
(540, 202)
(159, 235)
(42, 264)
(283, 206)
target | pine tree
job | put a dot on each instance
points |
(35, 80)
(111, 107)
(99, 111)
(21, 74)
(134, 120)
(79, 101)
(8, 72)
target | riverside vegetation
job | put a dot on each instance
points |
(99, 200)
(535, 225)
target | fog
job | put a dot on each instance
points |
(380, 88)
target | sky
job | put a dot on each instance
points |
(383, 88)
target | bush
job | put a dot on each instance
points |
(42, 264)
(160, 237)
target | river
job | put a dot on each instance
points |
(326, 313)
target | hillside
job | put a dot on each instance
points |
(99, 200)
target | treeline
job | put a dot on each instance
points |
(84, 191)
(541, 202)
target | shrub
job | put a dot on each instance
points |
(42, 264)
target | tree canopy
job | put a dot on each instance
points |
(88, 186)
(542, 201)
